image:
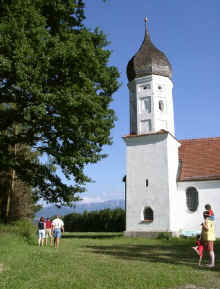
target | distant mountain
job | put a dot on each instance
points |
(79, 208)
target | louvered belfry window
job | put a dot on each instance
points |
(192, 199)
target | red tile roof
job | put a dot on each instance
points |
(199, 159)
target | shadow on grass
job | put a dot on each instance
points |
(168, 252)
(91, 236)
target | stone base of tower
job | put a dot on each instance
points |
(150, 235)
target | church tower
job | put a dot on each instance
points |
(152, 149)
(150, 87)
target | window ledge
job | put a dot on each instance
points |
(147, 221)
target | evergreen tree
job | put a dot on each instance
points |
(56, 87)
(106, 220)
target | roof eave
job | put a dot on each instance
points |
(199, 178)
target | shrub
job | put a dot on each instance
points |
(23, 228)
(164, 236)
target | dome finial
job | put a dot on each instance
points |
(146, 27)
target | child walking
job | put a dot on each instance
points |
(199, 248)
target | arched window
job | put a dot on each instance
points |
(146, 183)
(161, 105)
(148, 214)
(192, 199)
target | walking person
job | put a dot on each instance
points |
(41, 232)
(208, 238)
(58, 228)
(48, 231)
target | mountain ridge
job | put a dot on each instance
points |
(79, 208)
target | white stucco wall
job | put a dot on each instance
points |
(173, 164)
(150, 157)
(209, 193)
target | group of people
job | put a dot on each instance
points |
(52, 230)
(205, 241)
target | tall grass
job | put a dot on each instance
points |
(23, 228)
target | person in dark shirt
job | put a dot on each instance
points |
(41, 232)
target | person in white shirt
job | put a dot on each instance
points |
(57, 228)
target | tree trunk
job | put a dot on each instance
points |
(9, 196)
(11, 186)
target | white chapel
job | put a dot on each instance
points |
(168, 181)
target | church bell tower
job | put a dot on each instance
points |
(152, 149)
(150, 87)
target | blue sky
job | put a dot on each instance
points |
(188, 33)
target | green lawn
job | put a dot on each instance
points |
(103, 261)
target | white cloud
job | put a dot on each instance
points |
(87, 200)
(102, 197)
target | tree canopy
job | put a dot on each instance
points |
(56, 87)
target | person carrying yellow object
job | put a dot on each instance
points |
(208, 237)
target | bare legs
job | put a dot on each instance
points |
(196, 250)
(51, 241)
(212, 259)
(198, 253)
(200, 260)
(56, 242)
(40, 242)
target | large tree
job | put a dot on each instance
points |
(55, 92)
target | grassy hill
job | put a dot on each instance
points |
(103, 261)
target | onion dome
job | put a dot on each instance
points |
(148, 60)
